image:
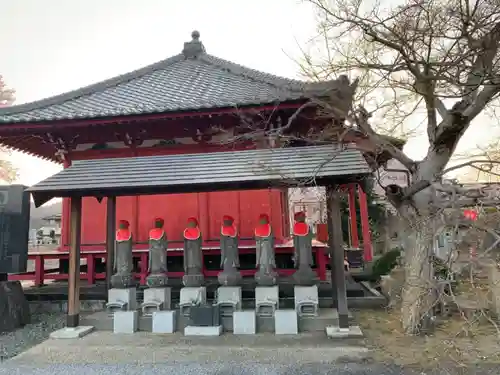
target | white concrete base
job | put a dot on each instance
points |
(306, 300)
(163, 322)
(266, 300)
(335, 332)
(202, 331)
(229, 295)
(125, 321)
(71, 333)
(286, 322)
(126, 297)
(244, 322)
(156, 299)
(191, 295)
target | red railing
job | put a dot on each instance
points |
(41, 274)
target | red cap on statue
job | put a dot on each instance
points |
(192, 220)
(123, 224)
(299, 215)
(264, 217)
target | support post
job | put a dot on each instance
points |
(65, 225)
(353, 219)
(337, 256)
(72, 319)
(110, 238)
(365, 225)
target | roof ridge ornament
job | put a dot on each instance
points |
(194, 48)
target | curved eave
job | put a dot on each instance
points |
(155, 115)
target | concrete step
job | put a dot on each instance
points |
(102, 321)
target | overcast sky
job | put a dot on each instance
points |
(52, 46)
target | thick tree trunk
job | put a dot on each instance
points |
(417, 289)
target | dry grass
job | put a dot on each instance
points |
(455, 342)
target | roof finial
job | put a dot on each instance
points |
(194, 48)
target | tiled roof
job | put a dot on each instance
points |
(189, 173)
(192, 80)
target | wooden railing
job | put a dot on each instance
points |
(40, 274)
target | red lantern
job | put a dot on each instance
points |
(470, 214)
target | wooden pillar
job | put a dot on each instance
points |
(65, 225)
(337, 256)
(353, 219)
(110, 238)
(72, 319)
(365, 225)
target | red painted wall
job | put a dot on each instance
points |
(140, 211)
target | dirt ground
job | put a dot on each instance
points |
(455, 342)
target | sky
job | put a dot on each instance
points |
(53, 46)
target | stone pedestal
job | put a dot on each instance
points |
(229, 300)
(266, 277)
(306, 300)
(191, 296)
(203, 331)
(125, 321)
(164, 321)
(156, 299)
(229, 277)
(119, 281)
(121, 300)
(157, 280)
(335, 332)
(305, 276)
(71, 333)
(244, 322)
(15, 311)
(286, 322)
(266, 300)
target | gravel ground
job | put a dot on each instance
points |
(13, 343)
(234, 368)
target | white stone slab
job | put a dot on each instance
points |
(164, 321)
(266, 298)
(306, 300)
(202, 331)
(229, 300)
(244, 322)
(128, 296)
(229, 294)
(189, 294)
(335, 332)
(125, 321)
(71, 332)
(156, 299)
(286, 322)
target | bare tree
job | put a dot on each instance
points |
(7, 96)
(435, 60)
(7, 171)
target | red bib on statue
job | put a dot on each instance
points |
(192, 233)
(263, 230)
(123, 235)
(156, 234)
(229, 231)
(300, 229)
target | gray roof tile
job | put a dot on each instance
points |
(179, 83)
(204, 172)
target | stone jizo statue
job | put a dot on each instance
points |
(303, 258)
(123, 260)
(157, 268)
(229, 276)
(193, 261)
(266, 274)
